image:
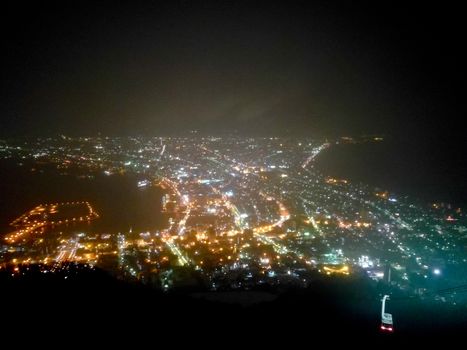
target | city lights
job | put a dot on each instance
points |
(240, 212)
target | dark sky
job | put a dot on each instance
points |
(257, 67)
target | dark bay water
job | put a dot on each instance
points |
(421, 170)
(117, 199)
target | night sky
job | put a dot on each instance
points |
(252, 67)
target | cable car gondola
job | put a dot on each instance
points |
(386, 319)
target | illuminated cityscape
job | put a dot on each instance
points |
(233, 172)
(240, 213)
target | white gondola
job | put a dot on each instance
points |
(386, 319)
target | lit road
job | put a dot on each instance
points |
(314, 153)
(182, 259)
(68, 250)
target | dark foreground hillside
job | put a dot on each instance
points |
(94, 301)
